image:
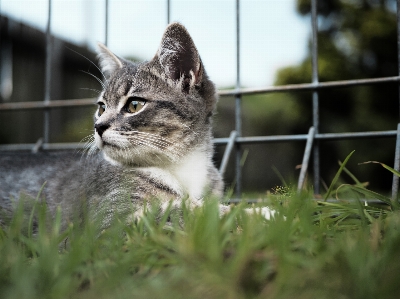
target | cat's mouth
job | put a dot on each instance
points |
(105, 143)
(109, 139)
(102, 144)
(138, 147)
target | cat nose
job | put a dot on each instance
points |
(100, 128)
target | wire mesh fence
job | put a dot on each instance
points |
(235, 141)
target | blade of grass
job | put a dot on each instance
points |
(352, 176)
(30, 223)
(244, 157)
(395, 172)
(279, 175)
(360, 207)
(337, 176)
(342, 218)
(373, 194)
(370, 218)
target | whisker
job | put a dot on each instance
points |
(92, 89)
(175, 151)
(153, 141)
(98, 80)
(149, 136)
(87, 137)
(188, 127)
(135, 143)
(89, 146)
(89, 61)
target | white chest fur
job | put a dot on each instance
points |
(192, 173)
(187, 177)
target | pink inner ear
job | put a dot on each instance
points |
(197, 74)
(183, 62)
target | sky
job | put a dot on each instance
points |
(272, 35)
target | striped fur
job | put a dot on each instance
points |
(153, 128)
(162, 152)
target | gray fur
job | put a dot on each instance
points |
(162, 152)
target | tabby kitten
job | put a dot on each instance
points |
(153, 127)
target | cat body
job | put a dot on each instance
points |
(153, 128)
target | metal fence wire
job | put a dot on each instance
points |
(235, 140)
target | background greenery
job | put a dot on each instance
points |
(356, 39)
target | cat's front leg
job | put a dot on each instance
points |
(266, 212)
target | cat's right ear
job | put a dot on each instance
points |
(179, 58)
(109, 62)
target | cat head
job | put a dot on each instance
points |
(156, 112)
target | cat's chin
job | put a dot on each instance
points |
(110, 160)
(98, 141)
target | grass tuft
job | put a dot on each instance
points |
(311, 249)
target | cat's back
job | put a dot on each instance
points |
(63, 177)
(26, 172)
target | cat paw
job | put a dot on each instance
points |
(266, 212)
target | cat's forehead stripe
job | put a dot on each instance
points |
(125, 98)
(119, 86)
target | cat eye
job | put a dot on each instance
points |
(135, 104)
(102, 108)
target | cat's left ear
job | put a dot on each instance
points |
(109, 62)
(179, 57)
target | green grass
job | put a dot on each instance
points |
(318, 250)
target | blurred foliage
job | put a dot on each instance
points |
(309, 249)
(356, 39)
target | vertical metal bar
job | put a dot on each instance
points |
(168, 12)
(1, 67)
(315, 97)
(227, 153)
(398, 46)
(106, 25)
(306, 159)
(46, 129)
(238, 106)
(395, 183)
(316, 153)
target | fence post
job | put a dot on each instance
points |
(306, 159)
(238, 106)
(106, 24)
(398, 49)
(47, 92)
(395, 184)
(315, 96)
(168, 11)
(227, 153)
